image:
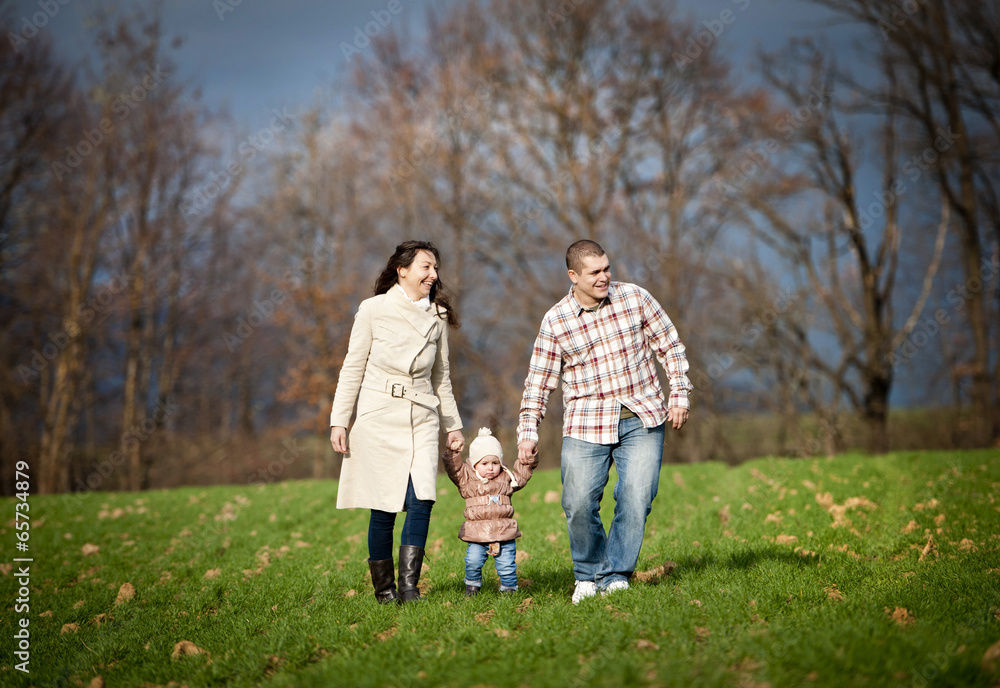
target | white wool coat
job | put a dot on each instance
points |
(393, 342)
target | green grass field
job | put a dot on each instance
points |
(851, 571)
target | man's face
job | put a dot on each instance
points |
(592, 281)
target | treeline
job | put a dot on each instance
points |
(175, 298)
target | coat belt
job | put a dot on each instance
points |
(400, 388)
(484, 500)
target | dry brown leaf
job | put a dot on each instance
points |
(551, 497)
(901, 615)
(939, 519)
(89, 548)
(351, 593)
(99, 619)
(991, 659)
(696, 603)
(910, 527)
(773, 518)
(655, 574)
(643, 644)
(724, 515)
(812, 676)
(485, 617)
(678, 479)
(96, 682)
(69, 628)
(928, 548)
(125, 593)
(387, 633)
(212, 574)
(501, 632)
(785, 539)
(967, 545)
(436, 546)
(701, 633)
(525, 604)
(833, 593)
(552, 537)
(185, 648)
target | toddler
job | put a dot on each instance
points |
(489, 528)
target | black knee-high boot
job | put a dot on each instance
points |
(411, 558)
(384, 580)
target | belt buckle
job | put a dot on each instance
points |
(402, 390)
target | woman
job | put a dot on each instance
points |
(397, 370)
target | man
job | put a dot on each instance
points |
(602, 338)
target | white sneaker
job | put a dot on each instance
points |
(583, 590)
(617, 584)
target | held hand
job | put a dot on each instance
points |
(338, 438)
(455, 441)
(677, 416)
(527, 451)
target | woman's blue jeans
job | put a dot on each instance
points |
(381, 523)
(585, 470)
(506, 563)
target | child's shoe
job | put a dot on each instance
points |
(471, 590)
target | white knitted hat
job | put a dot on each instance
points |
(484, 445)
(487, 445)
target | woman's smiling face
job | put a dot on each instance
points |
(419, 276)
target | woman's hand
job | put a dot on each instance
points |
(338, 438)
(455, 440)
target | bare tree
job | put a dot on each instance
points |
(943, 55)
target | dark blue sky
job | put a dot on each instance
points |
(257, 55)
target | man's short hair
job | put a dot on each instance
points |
(579, 250)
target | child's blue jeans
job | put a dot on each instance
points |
(506, 563)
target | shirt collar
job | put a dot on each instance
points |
(577, 308)
(422, 303)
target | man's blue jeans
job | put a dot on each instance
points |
(506, 563)
(585, 469)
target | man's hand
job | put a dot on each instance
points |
(527, 451)
(455, 441)
(677, 416)
(338, 438)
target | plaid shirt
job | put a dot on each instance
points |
(606, 359)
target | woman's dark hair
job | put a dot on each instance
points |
(404, 256)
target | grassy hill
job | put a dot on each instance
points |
(855, 570)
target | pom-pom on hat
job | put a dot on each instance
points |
(484, 445)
